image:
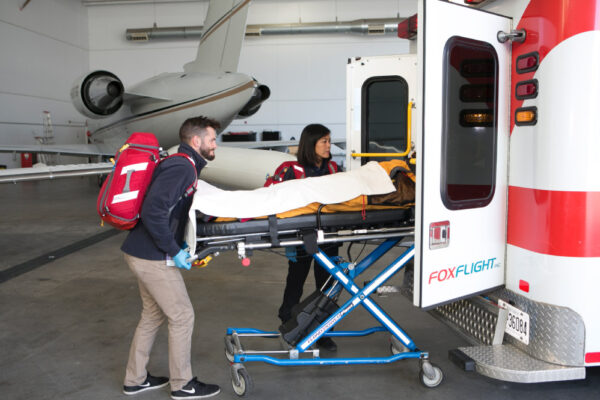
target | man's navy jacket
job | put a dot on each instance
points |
(160, 230)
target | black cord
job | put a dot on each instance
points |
(348, 252)
(359, 253)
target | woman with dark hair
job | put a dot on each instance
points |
(314, 159)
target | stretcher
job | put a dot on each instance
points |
(389, 228)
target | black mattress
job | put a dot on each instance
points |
(327, 221)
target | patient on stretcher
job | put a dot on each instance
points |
(385, 187)
(403, 196)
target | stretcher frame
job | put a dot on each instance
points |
(344, 273)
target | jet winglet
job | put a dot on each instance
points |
(221, 41)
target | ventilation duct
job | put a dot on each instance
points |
(359, 27)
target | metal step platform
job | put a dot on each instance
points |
(506, 362)
(555, 352)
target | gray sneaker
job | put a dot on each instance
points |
(196, 390)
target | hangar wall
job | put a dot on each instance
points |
(306, 73)
(49, 43)
(43, 48)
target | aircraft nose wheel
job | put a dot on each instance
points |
(430, 375)
(240, 380)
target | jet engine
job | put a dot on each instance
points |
(261, 93)
(97, 94)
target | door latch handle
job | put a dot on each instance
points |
(516, 35)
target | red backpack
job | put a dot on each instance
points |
(299, 173)
(122, 193)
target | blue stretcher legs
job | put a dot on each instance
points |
(403, 346)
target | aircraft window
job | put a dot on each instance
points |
(384, 115)
(469, 132)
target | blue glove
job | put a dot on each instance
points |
(290, 253)
(181, 260)
(184, 245)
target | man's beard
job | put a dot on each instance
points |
(206, 154)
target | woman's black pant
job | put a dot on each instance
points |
(297, 273)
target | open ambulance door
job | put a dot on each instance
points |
(379, 91)
(462, 143)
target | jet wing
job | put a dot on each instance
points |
(38, 172)
(66, 149)
(41, 171)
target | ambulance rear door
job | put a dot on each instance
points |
(460, 215)
(379, 91)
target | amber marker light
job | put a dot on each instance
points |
(526, 116)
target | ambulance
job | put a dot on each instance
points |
(497, 106)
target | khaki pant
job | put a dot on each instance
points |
(163, 294)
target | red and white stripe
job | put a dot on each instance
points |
(554, 170)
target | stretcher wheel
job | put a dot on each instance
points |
(245, 384)
(229, 351)
(397, 347)
(434, 381)
(395, 350)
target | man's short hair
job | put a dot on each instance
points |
(196, 126)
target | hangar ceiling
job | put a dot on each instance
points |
(107, 2)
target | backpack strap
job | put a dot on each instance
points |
(333, 167)
(298, 170)
(191, 189)
(281, 171)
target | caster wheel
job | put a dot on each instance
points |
(229, 351)
(394, 350)
(435, 380)
(245, 384)
(397, 347)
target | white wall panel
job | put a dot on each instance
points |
(37, 65)
(61, 20)
(43, 47)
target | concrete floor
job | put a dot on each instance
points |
(66, 323)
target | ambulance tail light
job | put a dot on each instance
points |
(528, 62)
(526, 116)
(407, 29)
(474, 2)
(526, 89)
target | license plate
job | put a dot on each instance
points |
(517, 322)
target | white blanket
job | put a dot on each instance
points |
(370, 179)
